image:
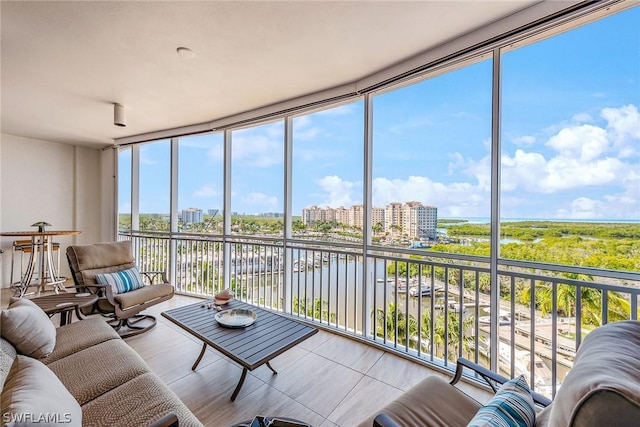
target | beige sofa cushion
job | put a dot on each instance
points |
(77, 336)
(429, 403)
(28, 328)
(138, 402)
(104, 367)
(33, 395)
(604, 383)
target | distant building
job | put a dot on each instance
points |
(192, 215)
(393, 218)
(212, 212)
(412, 219)
(271, 215)
(419, 221)
(312, 215)
(356, 216)
(377, 216)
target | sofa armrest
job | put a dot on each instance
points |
(153, 275)
(383, 420)
(168, 420)
(492, 378)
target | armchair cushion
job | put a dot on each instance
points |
(143, 295)
(28, 328)
(121, 281)
(511, 406)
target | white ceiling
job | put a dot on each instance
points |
(65, 63)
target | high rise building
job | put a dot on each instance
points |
(312, 214)
(419, 221)
(191, 215)
(377, 216)
(356, 216)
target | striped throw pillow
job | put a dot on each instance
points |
(511, 406)
(121, 281)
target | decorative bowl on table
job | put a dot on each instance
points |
(236, 318)
(223, 297)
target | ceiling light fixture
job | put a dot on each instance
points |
(119, 118)
(185, 52)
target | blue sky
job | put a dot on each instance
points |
(570, 141)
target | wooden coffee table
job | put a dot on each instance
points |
(253, 346)
(65, 304)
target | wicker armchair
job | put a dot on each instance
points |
(123, 309)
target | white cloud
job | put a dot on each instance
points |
(585, 155)
(338, 192)
(623, 128)
(582, 208)
(206, 192)
(525, 140)
(583, 142)
(303, 129)
(582, 118)
(257, 150)
(216, 153)
(264, 202)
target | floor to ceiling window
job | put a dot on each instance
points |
(570, 187)
(327, 174)
(200, 183)
(431, 161)
(257, 180)
(155, 185)
(124, 189)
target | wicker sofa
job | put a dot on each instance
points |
(82, 373)
(602, 389)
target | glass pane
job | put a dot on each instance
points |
(327, 174)
(200, 183)
(570, 190)
(124, 189)
(257, 180)
(431, 162)
(155, 180)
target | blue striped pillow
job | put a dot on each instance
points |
(121, 281)
(511, 406)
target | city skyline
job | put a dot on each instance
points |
(570, 141)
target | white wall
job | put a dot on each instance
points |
(57, 183)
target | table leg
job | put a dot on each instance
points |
(66, 317)
(239, 386)
(195, 365)
(58, 284)
(270, 367)
(25, 280)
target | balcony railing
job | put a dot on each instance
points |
(431, 307)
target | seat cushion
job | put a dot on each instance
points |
(103, 367)
(33, 395)
(605, 376)
(28, 328)
(80, 335)
(432, 402)
(138, 402)
(143, 295)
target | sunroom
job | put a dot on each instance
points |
(428, 180)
